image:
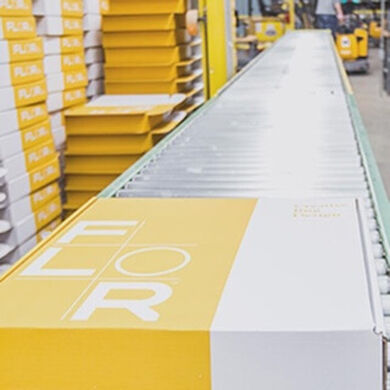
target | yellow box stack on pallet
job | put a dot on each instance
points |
(108, 135)
(30, 204)
(148, 50)
(93, 43)
(60, 24)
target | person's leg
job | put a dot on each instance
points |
(320, 22)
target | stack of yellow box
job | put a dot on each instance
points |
(60, 23)
(29, 193)
(93, 43)
(109, 134)
(148, 50)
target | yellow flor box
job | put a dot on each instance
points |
(69, 8)
(64, 62)
(86, 182)
(56, 25)
(191, 294)
(57, 82)
(96, 6)
(166, 127)
(23, 117)
(180, 85)
(15, 8)
(127, 114)
(21, 50)
(145, 38)
(134, 7)
(63, 45)
(22, 95)
(134, 72)
(21, 73)
(141, 56)
(20, 141)
(98, 165)
(17, 27)
(59, 100)
(109, 144)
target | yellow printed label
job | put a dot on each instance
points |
(39, 155)
(72, 62)
(104, 6)
(71, 44)
(47, 213)
(72, 8)
(72, 26)
(75, 79)
(40, 198)
(26, 72)
(25, 50)
(73, 97)
(36, 134)
(44, 175)
(18, 28)
(15, 7)
(29, 116)
(30, 93)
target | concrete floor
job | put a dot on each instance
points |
(374, 106)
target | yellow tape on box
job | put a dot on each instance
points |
(99, 165)
(17, 27)
(21, 50)
(21, 73)
(15, 8)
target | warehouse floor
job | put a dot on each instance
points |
(375, 108)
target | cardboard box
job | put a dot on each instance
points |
(57, 119)
(99, 164)
(134, 7)
(146, 38)
(141, 56)
(27, 161)
(85, 182)
(130, 114)
(57, 25)
(63, 45)
(93, 39)
(21, 73)
(59, 100)
(168, 125)
(22, 95)
(95, 71)
(94, 55)
(29, 226)
(128, 72)
(21, 209)
(108, 273)
(23, 117)
(59, 137)
(31, 182)
(21, 50)
(78, 198)
(15, 8)
(92, 22)
(57, 82)
(95, 88)
(64, 62)
(68, 8)
(17, 27)
(95, 6)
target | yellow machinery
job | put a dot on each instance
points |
(352, 45)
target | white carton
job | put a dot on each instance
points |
(20, 73)
(59, 135)
(92, 22)
(56, 25)
(21, 50)
(57, 82)
(73, 8)
(95, 6)
(93, 39)
(59, 45)
(95, 88)
(94, 55)
(95, 71)
(64, 62)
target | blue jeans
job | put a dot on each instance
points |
(328, 22)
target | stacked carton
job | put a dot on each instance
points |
(29, 169)
(109, 134)
(93, 45)
(60, 23)
(148, 50)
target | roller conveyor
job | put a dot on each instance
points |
(287, 127)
